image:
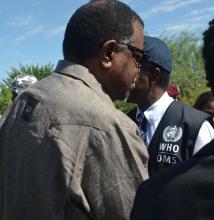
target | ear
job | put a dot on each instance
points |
(154, 75)
(107, 53)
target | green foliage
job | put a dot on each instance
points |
(38, 71)
(5, 97)
(124, 106)
(188, 69)
(5, 87)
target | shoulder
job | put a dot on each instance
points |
(188, 111)
(108, 116)
(73, 102)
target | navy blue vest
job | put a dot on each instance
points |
(175, 136)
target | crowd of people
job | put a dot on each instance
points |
(67, 153)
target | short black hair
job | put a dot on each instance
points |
(203, 100)
(208, 52)
(95, 23)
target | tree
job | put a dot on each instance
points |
(124, 106)
(5, 87)
(188, 69)
(5, 97)
(38, 71)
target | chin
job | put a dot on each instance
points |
(119, 97)
(132, 98)
(122, 96)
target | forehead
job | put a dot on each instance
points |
(138, 33)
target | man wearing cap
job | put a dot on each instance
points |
(172, 131)
(186, 190)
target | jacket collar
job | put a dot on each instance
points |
(82, 73)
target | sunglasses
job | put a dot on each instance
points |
(140, 56)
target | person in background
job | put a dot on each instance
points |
(65, 151)
(186, 190)
(172, 131)
(174, 91)
(21, 82)
(205, 103)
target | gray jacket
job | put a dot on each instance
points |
(67, 153)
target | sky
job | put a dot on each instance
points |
(31, 32)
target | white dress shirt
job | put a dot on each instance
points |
(156, 111)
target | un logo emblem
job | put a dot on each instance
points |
(172, 133)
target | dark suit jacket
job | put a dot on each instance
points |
(132, 114)
(182, 192)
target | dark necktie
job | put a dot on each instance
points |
(142, 124)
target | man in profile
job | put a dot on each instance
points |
(185, 191)
(65, 151)
(173, 132)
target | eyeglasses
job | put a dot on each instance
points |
(140, 56)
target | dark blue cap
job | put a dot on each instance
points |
(158, 52)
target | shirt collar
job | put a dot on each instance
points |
(156, 111)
